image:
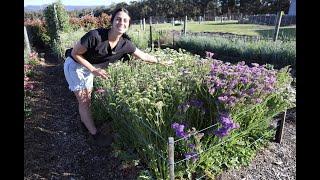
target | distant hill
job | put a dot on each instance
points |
(68, 8)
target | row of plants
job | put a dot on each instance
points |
(149, 103)
(50, 31)
(279, 54)
(30, 61)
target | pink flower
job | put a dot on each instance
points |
(28, 86)
(100, 91)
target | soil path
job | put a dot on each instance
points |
(55, 146)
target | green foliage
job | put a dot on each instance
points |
(37, 33)
(56, 22)
(63, 18)
(143, 100)
(279, 54)
(68, 40)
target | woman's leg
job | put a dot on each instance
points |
(84, 101)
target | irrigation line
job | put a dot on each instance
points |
(196, 132)
(141, 120)
(165, 159)
(201, 177)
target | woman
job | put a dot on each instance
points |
(95, 50)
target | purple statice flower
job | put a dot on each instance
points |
(227, 125)
(223, 98)
(259, 100)
(251, 91)
(212, 90)
(196, 103)
(191, 155)
(179, 128)
(192, 146)
(244, 82)
(223, 131)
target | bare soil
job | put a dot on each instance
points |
(55, 145)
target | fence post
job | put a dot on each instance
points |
(151, 41)
(56, 16)
(159, 39)
(172, 39)
(185, 26)
(280, 125)
(144, 24)
(275, 37)
(141, 24)
(173, 21)
(171, 157)
(26, 40)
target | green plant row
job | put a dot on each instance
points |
(149, 103)
(279, 54)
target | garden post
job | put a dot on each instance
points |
(56, 17)
(159, 39)
(26, 40)
(280, 125)
(172, 39)
(276, 31)
(151, 41)
(141, 24)
(144, 24)
(185, 26)
(171, 157)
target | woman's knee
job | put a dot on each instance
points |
(83, 97)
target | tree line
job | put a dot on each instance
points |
(180, 8)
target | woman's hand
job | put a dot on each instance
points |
(101, 73)
(166, 63)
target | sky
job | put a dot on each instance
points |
(76, 2)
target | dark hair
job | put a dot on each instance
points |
(118, 10)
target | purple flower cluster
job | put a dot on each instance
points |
(227, 125)
(179, 128)
(191, 155)
(192, 103)
(191, 147)
(239, 83)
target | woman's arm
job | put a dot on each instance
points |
(77, 52)
(145, 57)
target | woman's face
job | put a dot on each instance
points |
(121, 22)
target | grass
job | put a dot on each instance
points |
(225, 27)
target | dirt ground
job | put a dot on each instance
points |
(55, 146)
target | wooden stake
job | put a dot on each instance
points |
(276, 31)
(280, 127)
(26, 40)
(171, 157)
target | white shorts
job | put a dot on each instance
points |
(77, 76)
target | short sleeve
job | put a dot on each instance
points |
(90, 39)
(131, 48)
